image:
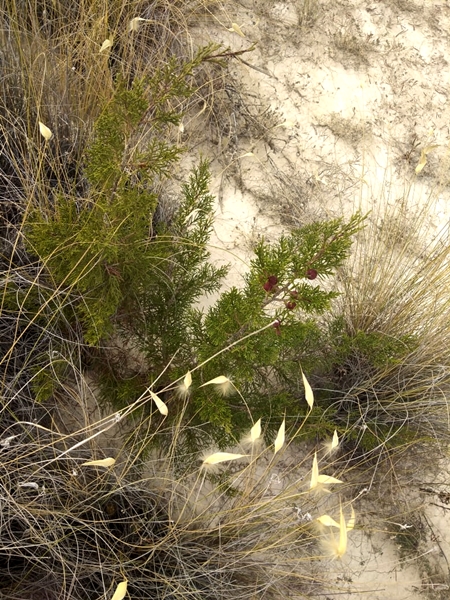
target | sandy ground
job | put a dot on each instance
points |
(334, 110)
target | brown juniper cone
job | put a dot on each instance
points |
(270, 283)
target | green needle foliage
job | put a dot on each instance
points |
(259, 336)
(125, 276)
(281, 301)
(100, 247)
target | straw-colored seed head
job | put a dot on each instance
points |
(279, 440)
(222, 384)
(342, 546)
(220, 457)
(135, 24)
(45, 131)
(236, 29)
(255, 431)
(318, 482)
(309, 396)
(327, 521)
(160, 405)
(333, 544)
(104, 462)
(106, 44)
(187, 381)
(332, 445)
(121, 591)
(253, 438)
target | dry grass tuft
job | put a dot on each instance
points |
(354, 46)
(307, 12)
(396, 286)
(349, 130)
(81, 528)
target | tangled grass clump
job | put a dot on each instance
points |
(74, 528)
(391, 377)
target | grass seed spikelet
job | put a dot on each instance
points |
(160, 405)
(121, 591)
(222, 384)
(318, 482)
(45, 131)
(104, 462)
(279, 440)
